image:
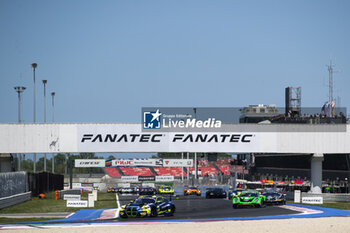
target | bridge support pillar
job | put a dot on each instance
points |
(316, 173)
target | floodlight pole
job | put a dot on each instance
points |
(53, 120)
(34, 65)
(19, 90)
(44, 82)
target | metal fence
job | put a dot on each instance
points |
(206, 180)
(44, 182)
(14, 199)
(12, 183)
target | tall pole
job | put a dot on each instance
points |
(53, 106)
(330, 84)
(53, 120)
(19, 90)
(34, 65)
(182, 168)
(188, 171)
(44, 82)
(195, 166)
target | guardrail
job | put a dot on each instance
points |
(15, 199)
(60, 193)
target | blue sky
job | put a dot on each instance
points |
(107, 59)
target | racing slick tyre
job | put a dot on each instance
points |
(154, 212)
(172, 211)
(123, 216)
(234, 206)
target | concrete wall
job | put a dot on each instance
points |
(12, 183)
(14, 199)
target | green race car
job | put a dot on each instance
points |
(248, 198)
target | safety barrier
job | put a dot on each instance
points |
(15, 199)
(12, 183)
(61, 193)
(329, 197)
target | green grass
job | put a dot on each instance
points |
(20, 220)
(36, 205)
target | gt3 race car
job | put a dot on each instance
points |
(147, 191)
(275, 198)
(166, 190)
(232, 193)
(248, 198)
(192, 191)
(113, 190)
(215, 192)
(128, 190)
(147, 206)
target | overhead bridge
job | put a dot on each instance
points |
(316, 139)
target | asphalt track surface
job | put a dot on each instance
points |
(193, 207)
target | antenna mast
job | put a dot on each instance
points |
(330, 85)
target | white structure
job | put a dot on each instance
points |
(316, 139)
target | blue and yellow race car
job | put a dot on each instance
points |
(144, 206)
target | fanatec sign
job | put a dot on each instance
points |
(115, 138)
(235, 138)
(132, 138)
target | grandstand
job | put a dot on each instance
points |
(137, 171)
(113, 172)
(169, 171)
(205, 168)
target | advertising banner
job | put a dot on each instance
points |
(130, 178)
(71, 197)
(147, 178)
(124, 162)
(312, 200)
(131, 138)
(77, 204)
(164, 178)
(146, 162)
(178, 162)
(297, 196)
(89, 163)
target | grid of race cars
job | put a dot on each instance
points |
(153, 202)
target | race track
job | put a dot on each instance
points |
(193, 207)
(189, 209)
